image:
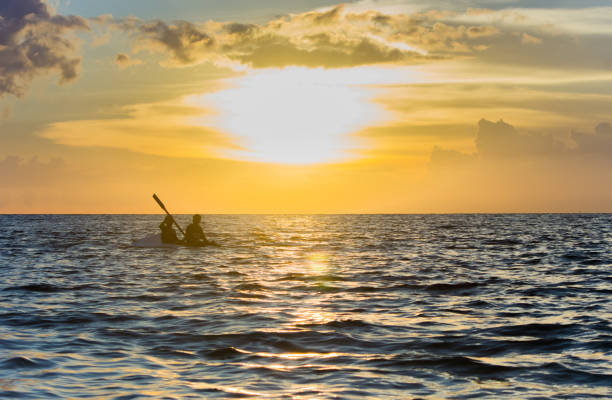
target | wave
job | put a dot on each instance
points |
(458, 365)
(342, 324)
(537, 330)
(25, 363)
(224, 353)
(451, 288)
(141, 297)
(410, 307)
(250, 287)
(502, 242)
(48, 288)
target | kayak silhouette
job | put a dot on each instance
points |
(194, 237)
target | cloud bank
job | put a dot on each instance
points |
(164, 129)
(518, 172)
(33, 42)
(347, 36)
(501, 141)
(329, 38)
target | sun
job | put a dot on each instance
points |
(293, 115)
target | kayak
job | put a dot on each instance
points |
(154, 240)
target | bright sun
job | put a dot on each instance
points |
(293, 115)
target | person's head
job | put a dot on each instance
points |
(197, 218)
(168, 220)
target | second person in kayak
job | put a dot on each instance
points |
(194, 235)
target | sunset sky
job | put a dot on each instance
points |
(313, 106)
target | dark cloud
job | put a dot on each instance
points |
(123, 60)
(278, 51)
(381, 19)
(236, 28)
(328, 17)
(33, 42)
(499, 141)
(481, 31)
(598, 144)
(183, 40)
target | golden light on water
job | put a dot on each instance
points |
(292, 115)
(312, 316)
(297, 356)
(318, 263)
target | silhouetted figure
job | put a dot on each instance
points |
(168, 234)
(194, 235)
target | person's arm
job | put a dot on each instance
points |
(201, 234)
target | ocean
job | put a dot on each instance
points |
(308, 307)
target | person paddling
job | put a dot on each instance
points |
(194, 235)
(168, 234)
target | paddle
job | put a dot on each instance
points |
(164, 208)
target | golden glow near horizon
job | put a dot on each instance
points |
(385, 106)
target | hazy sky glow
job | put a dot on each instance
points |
(305, 106)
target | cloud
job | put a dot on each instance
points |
(185, 41)
(501, 142)
(279, 52)
(479, 11)
(525, 172)
(124, 61)
(481, 31)
(598, 144)
(346, 36)
(165, 129)
(329, 38)
(551, 35)
(499, 139)
(529, 39)
(582, 19)
(33, 42)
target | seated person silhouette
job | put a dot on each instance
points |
(194, 235)
(168, 234)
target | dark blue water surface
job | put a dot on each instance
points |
(308, 307)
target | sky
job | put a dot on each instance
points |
(305, 106)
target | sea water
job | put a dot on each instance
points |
(308, 307)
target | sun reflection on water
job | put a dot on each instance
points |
(318, 263)
(311, 316)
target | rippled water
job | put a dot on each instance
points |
(320, 306)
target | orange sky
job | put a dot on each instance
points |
(383, 106)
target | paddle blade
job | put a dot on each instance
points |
(159, 202)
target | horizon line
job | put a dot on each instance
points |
(347, 213)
